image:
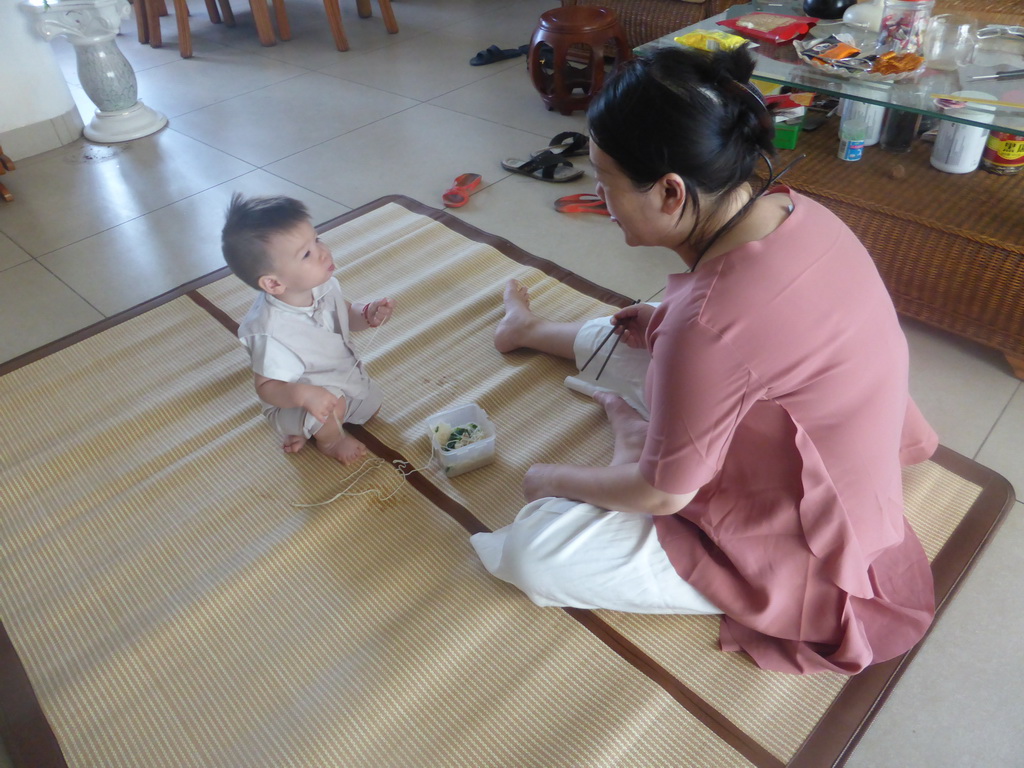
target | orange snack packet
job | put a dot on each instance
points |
(839, 51)
(896, 63)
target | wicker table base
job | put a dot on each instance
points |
(950, 247)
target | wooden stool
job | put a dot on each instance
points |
(568, 81)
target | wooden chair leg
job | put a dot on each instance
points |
(153, 18)
(264, 27)
(388, 17)
(364, 9)
(212, 12)
(161, 8)
(184, 31)
(227, 13)
(5, 193)
(140, 20)
(284, 29)
(334, 21)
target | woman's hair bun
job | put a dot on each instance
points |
(685, 111)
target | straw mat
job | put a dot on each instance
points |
(165, 603)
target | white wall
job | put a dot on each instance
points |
(37, 111)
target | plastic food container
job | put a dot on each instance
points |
(469, 457)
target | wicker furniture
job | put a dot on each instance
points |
(646, 20)
(950, 247)
(992, 11)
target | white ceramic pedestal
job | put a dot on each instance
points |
(107, 77)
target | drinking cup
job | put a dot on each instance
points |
(949, 41)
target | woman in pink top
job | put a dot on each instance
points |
(761, 412)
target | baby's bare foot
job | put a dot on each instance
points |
(294, 443)
(628, 426)
(518, 317)
(344, 448)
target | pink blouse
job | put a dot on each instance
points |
(778, 387)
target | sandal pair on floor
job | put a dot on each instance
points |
(465, 184)
(549, 164)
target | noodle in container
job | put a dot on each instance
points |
(462, 437)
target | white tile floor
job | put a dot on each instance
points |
(97, 229)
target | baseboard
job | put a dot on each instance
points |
(28, 140)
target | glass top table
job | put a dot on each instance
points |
(778, 63)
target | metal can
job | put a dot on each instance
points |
(1003, 153)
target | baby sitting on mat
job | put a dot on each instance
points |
(307, 375)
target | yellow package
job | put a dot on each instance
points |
(707, 40)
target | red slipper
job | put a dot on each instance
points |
(458, 195)
(585, 202)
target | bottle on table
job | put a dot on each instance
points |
(899, 130)
(903, 25)
(958, 147)
(870, 115)
(851, 138)
(1003, 153)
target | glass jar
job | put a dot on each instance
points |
(903, 26)
(899, 130)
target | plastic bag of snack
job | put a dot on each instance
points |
(773, 27)
(707, 40)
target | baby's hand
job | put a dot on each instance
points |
(379, 311)
(319, 402)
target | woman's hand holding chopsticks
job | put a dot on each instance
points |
(631, 324)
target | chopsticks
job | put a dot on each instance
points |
(971, 100)
(603, 342)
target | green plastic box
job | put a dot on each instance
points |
(787, 132)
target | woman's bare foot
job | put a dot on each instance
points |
(512, 328)
(294, 443)
(628, 426)
(344, 448)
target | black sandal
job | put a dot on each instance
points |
(567, 144)
(546, 166)
(492, 54)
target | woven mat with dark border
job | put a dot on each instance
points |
(166, 603)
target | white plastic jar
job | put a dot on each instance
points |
(870, 114)
(958, 147)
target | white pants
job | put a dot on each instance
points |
(566, 553)
(299, 421)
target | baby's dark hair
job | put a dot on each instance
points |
(684, 111)
(249, 224)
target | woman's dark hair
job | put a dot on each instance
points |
(685, 111)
